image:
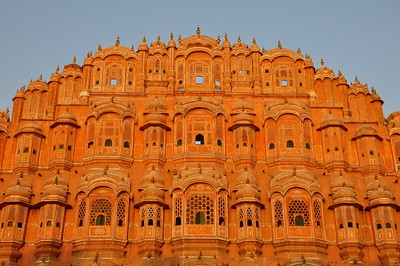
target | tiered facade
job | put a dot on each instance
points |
(198, 152)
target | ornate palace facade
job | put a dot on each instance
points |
(198, 152)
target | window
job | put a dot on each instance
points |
(388, 225)
(267, 84)
(378, 226)
(48, 223)
(199, 80)
(218, 83)
(10, 223)
(200, 218)
(19, 225)
(108, 142)
(308, 147)
(150, 222)
(289, 144)
(179, 142)
(219, 142)
(241, 224)
(271, 146)
(266, 71)
(299, 221)
(341, 226)
(57, 224)
(121, 212)
(90, 144)
(126, 144)
(249, 222)
(120, 222)
(298, 208)
(221, 221)
(61, 147)
(178, 221)
(26, 150)
(278, 213)
(100, 220)
(142, 223)
(81, 212)
(69, 148)
(284, 83)
(113, 82)
(199, 140)
(350, 224)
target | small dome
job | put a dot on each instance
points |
(379, 192)
(31, 127)
(67, 115)
(366, 130)
(156, 117)
(340, 182)
(331, 119)
(248, 192)
(152, 193)
(246, 177)
(243, 118)
(242, 105)
(156, 105)
(153, 177)
(54, 192)
(19, 191)
(324, 72)
(344, 194)
(254, 47)
(143, 46)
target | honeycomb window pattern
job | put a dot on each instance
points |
(221, 206)
(121, 211)
(278, 213)
(81, 212)
(101, 206)
(298, 207)
(200, 204)
(317, 213)
(240, 214)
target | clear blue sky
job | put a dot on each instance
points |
(359, 37)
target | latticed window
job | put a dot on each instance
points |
(100, 213)
(221, 210)
(178, 211)
(317, 213)
(121, 208)
(81, 212)
(298, 213)
(278, 213)
(200, 210)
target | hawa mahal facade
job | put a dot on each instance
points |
(198, 152)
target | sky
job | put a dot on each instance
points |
(358, 37)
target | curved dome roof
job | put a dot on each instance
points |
(248, 192)
(242, 105)
(19, 191)
(31, 127)
(152, 193)
(366, 130)
(379, 192)
(324, 72)
(331, 119)
(154, 177)
(55, 189)
(246, 177)
(156, 105)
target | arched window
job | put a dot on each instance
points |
(10, 223)
(257, 224)
(108, 142)
(57, 224)
(158, 223)
(90, 144)
(120, 222)
(48, 223)
(308, 147)
(388, 225)
(378, 226)
(19, 225)
(126, 144)
(279, 223)
(289, 144)
(199, 140)
(241, 224)
(350, 224)
(221, 221)
(341, 226)
(142, 223)
(179, 142)
(100, 220)
(81, 212)
(200, 218)
(249, 222)
(178, 221)
(150, 222)
(299, 221)
(271, 146)
(219, 142)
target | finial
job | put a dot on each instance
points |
(144, 39)
(307, 56)
(254, 41)
(247, 180)
(239, 40)
(264, 50)
(199, 165)
(198, 30)
(74, 60)
(322, 61)
(356, 79)
(40, 77)
(56, 180)
(175, 171)
(87, 55)
(105, 169)
(158, 38)
(294, 170)
(99, 48)
(340, 173)
(373, 90)
(171, 36)
(340, 73)
(7, 110)
(299, 50)
(303, 258)
(218, 39)
(96, 256)
(376, 177)
(132, 48)
(226, 36)
(117, 42)
(57, 69)
(180, 38)
(23, 88)
(200, 254)
(21, 174)
(112, 99)
(279, 44)
(90, 53)
(58, 171)
(152, 179)
(152, 167)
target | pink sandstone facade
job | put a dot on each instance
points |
(198, 152)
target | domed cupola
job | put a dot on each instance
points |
(366, 131)
(154, 177)
(379, 193)
(343, 190)
(248, 193)
(55, 189)
(243, 115)
(331, 120)
(152, 193)
(158, 47)
(324, 72)
(31, 127)
(56, 75)
(246, 177)
(4, 121)
(66, 118)
(254, 47)
(171, 42)
(38, 84)
(19, 191)
(143, 46)
(226, 43)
